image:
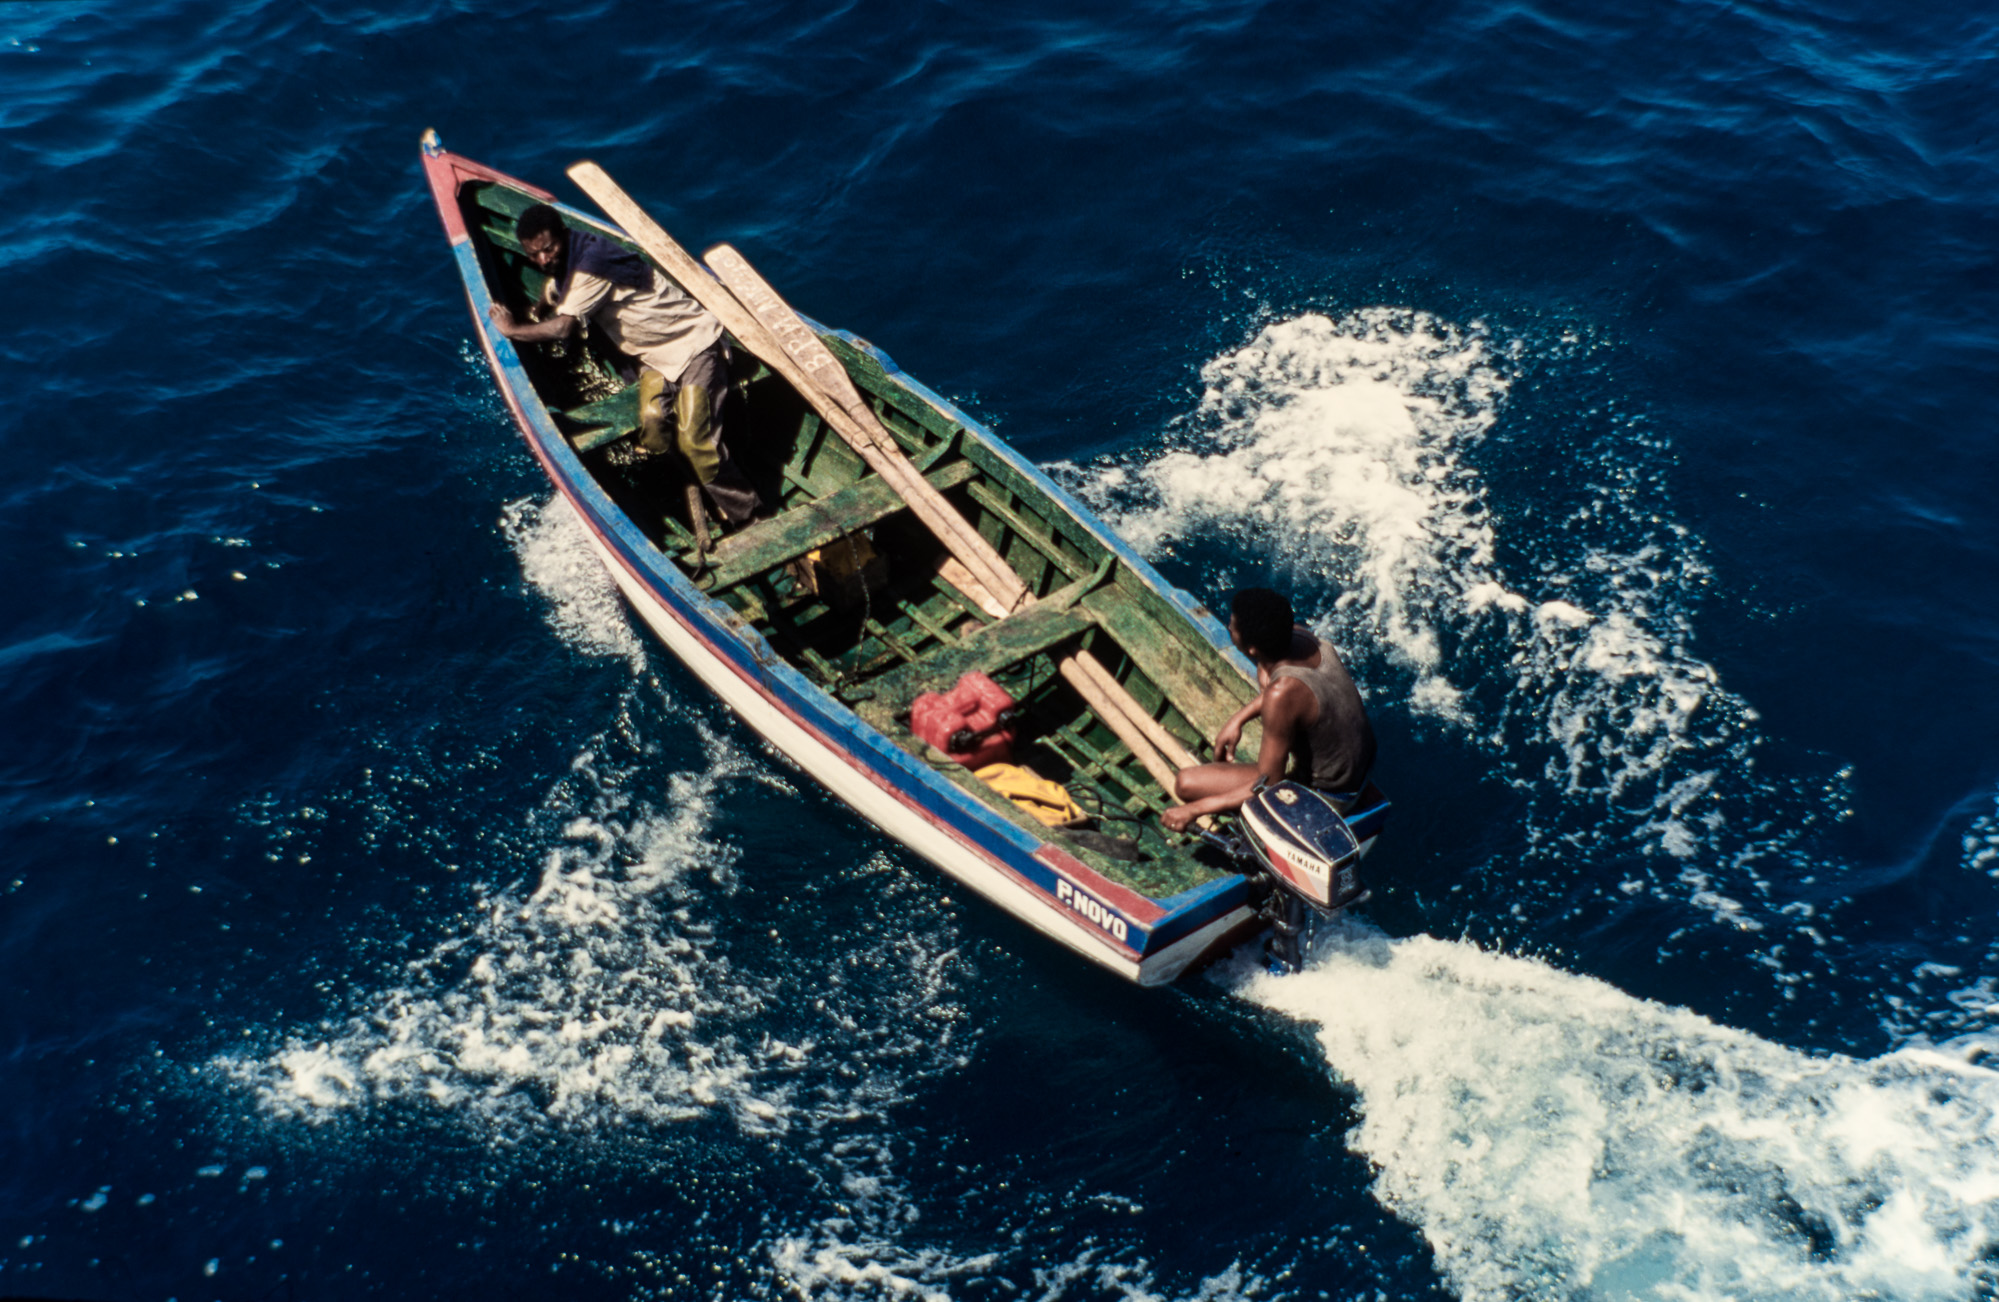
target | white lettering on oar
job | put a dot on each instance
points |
(793, 335)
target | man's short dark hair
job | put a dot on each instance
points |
(537, 221)
(1263, 621)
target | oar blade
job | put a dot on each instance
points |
(789, 329)
(676, 261)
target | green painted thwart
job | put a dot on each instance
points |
(878, 649)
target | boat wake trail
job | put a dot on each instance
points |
(1343, 441)
(1355, 455)
(595, 994)
(596, 990)
(584, 607)
(1551, 1136)
(1555, 1138)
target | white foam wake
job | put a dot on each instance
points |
(1341, 443)
(597, 995)
(1553, 1137)
(1346, 452)
(557, 558)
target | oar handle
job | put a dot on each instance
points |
(830, 383)
(765, 324)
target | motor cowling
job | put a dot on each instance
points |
(972, 723)
(1300, 836)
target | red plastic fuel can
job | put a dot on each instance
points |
(966, 722)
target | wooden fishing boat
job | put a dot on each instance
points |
(823, 625)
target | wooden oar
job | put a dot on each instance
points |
(849, 417)
(1147, 739)
(879, 451)
(812, 356)
(830, 379)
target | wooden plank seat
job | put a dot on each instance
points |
(605, 421)
(811, 525)
(1021, 635)
(506, 203)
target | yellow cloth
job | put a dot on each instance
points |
(1045, 800)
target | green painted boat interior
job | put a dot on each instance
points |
(902, 627)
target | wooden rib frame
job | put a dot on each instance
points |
(765, 324)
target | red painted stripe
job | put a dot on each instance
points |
(1142, 910)
(1138, 907)
(446, 172)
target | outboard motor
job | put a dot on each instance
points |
(1298, 837)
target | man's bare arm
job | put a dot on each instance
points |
(556, 327)
(1284, 706)
(1231, 733)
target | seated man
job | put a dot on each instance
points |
(684, 359)
(1310, 711)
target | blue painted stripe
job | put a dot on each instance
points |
(962, 814)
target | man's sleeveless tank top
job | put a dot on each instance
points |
(1341, 743)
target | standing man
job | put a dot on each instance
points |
(684, 361)
(1310, 709)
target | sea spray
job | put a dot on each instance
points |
(1340, 446)
(557, 560)
(1350, 454)
(593, 990)
(1553, 1137)
(596, 994)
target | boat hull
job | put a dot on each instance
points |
(1149, 941)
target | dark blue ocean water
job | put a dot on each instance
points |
(385, 914)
